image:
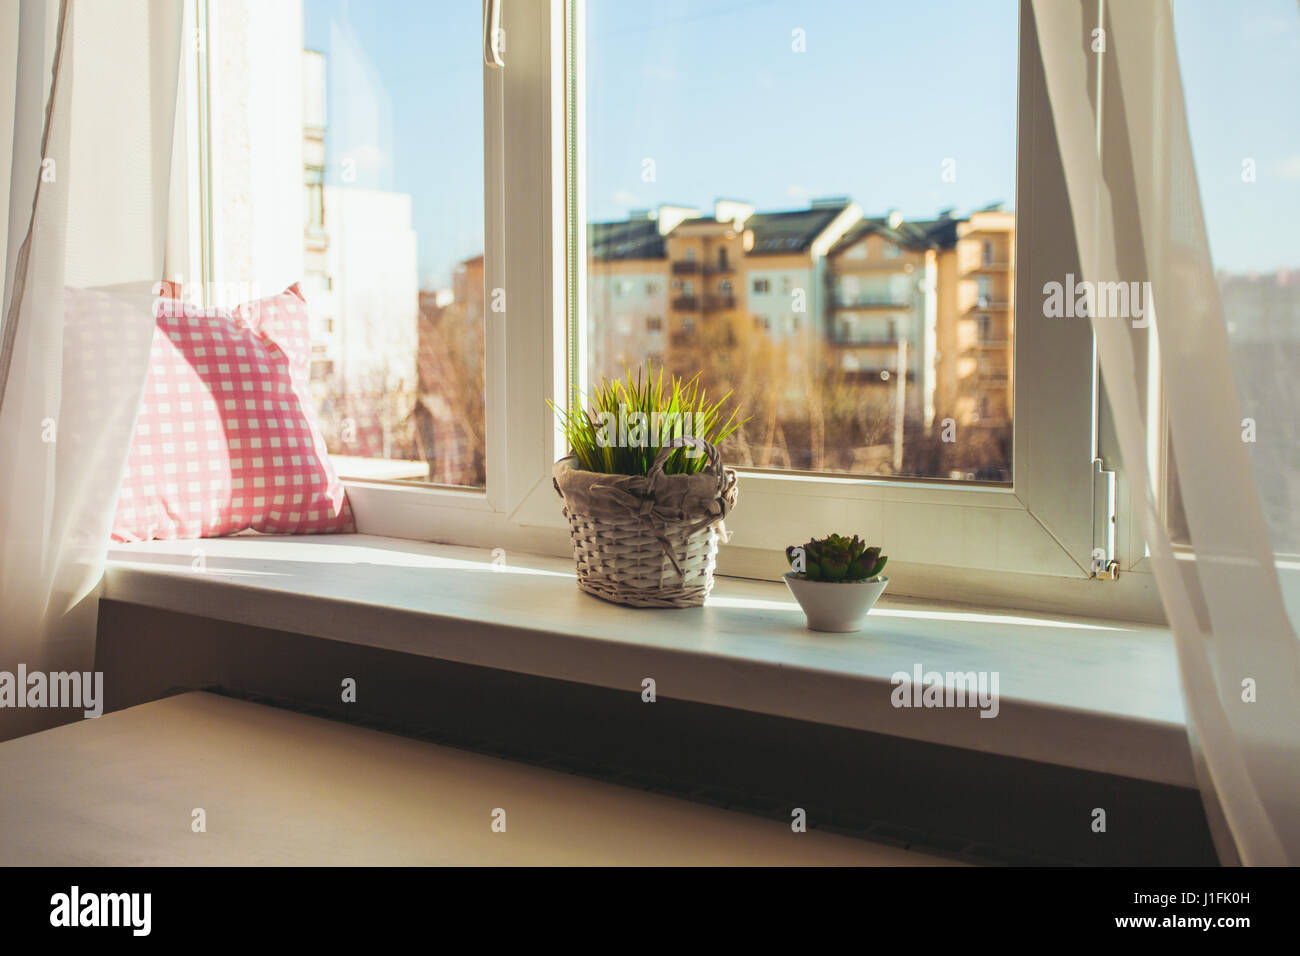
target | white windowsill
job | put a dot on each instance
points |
(1091, 694)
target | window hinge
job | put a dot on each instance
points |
(1105, 522)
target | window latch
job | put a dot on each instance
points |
(1105, 522)
(492, 36)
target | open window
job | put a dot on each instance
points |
(568, 203)
(929, 401)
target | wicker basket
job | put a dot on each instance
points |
(647, 540)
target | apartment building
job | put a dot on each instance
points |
(869, 300)
(932, 298)
(977, 327)
(882, 306)
(785, 264)
(706, 306)
(449, 415)
(628, 288)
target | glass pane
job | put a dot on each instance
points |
(1240, 69)
(810, 204)
(392, 138)
(343, 157)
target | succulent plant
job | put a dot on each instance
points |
(835, 558)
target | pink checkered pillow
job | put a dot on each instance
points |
(227, 438)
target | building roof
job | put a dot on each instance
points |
(703, 221)
(775, 233)
(910, 233)
(790, 232)
(625, 239)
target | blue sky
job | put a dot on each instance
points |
(716, 94)
(1240, 64)
(713, 92)
(427, 76)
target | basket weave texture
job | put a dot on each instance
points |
(647, 540)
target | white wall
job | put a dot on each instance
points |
(777, 304)
(617, 319)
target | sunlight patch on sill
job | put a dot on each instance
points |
(308, 554)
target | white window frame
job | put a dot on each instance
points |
(1028, 545)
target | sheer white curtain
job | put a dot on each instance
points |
(1137, 209)
(93, 130)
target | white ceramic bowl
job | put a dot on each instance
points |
(836, 606)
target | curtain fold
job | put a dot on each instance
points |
(89, 193)
(1137, 218)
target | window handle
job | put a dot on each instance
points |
(492, 35)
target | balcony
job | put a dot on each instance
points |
(864, 341)
(683, 339)
(686, 303)
(719, 303)
(883, 375)
(719, 269)
(687, 267)
(870, 302)
(982, 266)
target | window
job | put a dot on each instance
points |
(337, 106)
(903, 231)
(576, 235)
(808, 414)
(315, 199)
